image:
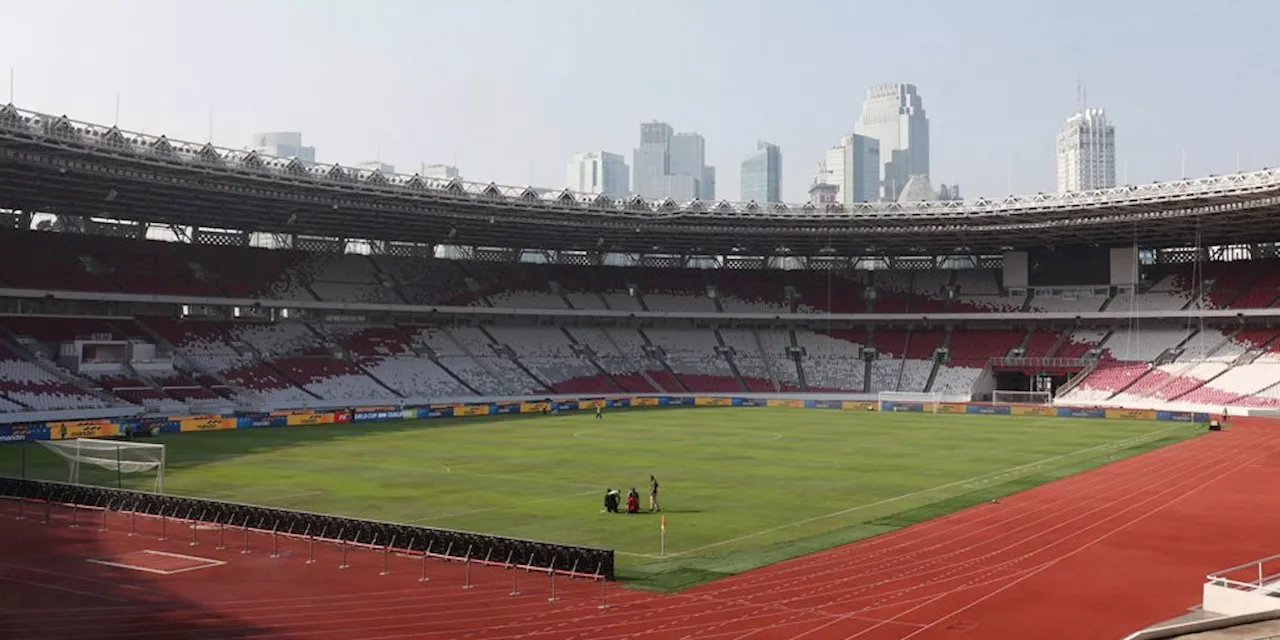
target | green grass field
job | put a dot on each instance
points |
(741, 487)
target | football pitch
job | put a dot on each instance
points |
(740, 487)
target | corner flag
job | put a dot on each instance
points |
(662, 549)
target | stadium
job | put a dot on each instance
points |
(1004, 413)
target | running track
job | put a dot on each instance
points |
(1095, 555)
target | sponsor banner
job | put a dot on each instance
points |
(746, 402)
(506, 408)
(259, 420)
(83, 429)
(982, 409)
(24, 432)
(952, 407)
(1044, 412)
(208, 424)
(378, 416)
(620, 403)
(1200, 417)
(534, 407)
(682, 402)
(789, 404)
(464, 410)
(1130, 414)
(373, 409)
(342, 416)
(436, 411)
(823, 404)
(712, 402)
(858, 405)
(644, 402)
(292, 412)
(303, 420)
(1076, 412)
(1174, 416)
(591, 403)
(911, 407)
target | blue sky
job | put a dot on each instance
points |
(509, 89)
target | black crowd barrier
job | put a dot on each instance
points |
(444, 543)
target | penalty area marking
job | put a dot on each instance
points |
(196, 562)
(983, 479)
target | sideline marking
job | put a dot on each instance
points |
(992, 475)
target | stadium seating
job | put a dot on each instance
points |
(369, 359)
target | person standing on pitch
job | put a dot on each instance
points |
(653, 494)
(599, 412)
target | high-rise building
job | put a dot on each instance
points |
(600, 172)
(948, 193)
(671, 165)
(1086, 152)
(762, 174)
(283, 144)
(439, 171)
(649, 160)
(853, 167)
(894, 115)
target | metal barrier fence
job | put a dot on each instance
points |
(464, 546)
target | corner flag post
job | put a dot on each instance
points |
(663, 547)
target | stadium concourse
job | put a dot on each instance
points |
(331, 360)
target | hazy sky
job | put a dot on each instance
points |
(509, 89)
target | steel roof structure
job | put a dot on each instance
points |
(53, 164)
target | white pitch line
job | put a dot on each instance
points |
(988, 476)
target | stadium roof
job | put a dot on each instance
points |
(52, 164)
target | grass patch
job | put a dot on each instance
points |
(741, 487)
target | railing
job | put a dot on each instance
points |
(1254, 576)
(1040, 363)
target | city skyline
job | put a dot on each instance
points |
(600, 173)
(894, 116)
(671, 165)
(502, 111)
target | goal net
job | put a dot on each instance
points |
(906, 401)
(1021, 397)
(87, 460)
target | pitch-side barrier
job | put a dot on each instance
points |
(574, 561)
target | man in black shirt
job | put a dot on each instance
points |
(653, 494)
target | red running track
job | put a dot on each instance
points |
(1095, 555)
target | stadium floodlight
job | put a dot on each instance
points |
(1021, 397)
(118, 456)
(908, 401)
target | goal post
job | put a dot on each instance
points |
(908, 401)
(118, 457)
(1021, 397)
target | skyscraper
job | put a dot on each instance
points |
(283, 144)
(1086, 152)
(853, 167)
(894, 115)
(762, 174)
(600, 172)
(671, 165)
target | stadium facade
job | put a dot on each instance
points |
(393, 289)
